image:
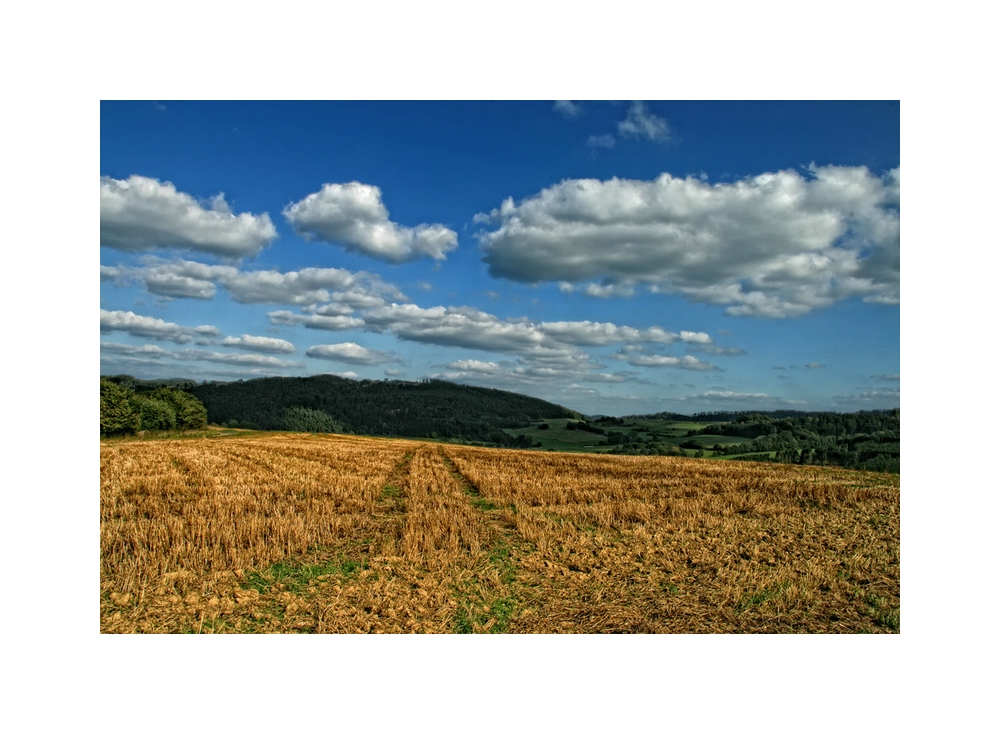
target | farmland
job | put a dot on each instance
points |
(557, 437)
(260, 532)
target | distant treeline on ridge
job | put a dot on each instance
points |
(330, 404)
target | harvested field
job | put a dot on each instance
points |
(299, 533)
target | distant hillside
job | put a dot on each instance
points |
(325, 403)
(726, 416)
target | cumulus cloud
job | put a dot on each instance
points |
(525, 372)
(152, 328)
(351, 353)
(774, 245)
(259, 344)
(462, 326)
(730, 395)
(315, 321)
(153, 352)
(142, 213)
(455, 327)
(257, 360)
(334, 288)
(641, 123)
(475, 365)
(659, 360)
(590, 333)
(567, 108)
(353, 215)
(311, 286)
(147, 350)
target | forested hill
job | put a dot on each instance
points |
(427, 409)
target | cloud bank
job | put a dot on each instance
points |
(774, 245)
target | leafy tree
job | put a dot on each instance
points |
(154, 415)
(117, 415)
(190, 414)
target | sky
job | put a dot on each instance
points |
(614, 257)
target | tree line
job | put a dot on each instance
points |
(326, 403)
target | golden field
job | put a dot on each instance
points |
(301, 533)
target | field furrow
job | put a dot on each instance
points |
(298, 533)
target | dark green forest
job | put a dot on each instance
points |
(325, 403)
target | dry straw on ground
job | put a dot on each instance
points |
(283, 533)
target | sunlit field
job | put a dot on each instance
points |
(299, 533)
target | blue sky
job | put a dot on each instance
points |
(614, 257)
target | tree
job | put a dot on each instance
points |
(117, 416)
(154, 415)
(189, 412)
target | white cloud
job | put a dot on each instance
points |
(142, 213)
(335, 287)
(152, 328)
(601, 141)
(354, 216)
(351, 353)
(658, 360)
(696, 337)
(475, 365)
(179, 286)
(641, 123)
(774, 245)
(147, 350)
(522, 373)
(259, 344)
(257, 360)
(153, 352)
(567, 108)
(455, 327)
(315, 321)
(473, 329)
(591, 333)
(730, 395)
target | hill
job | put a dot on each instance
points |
(325, 403)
